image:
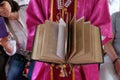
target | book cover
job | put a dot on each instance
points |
(3, 30)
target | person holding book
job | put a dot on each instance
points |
(15, 22)
(5, 39)
(7, 47)
(95, 11)
(7, 43)
(17, 26)
(110, 69)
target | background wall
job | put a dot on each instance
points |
(22, 2)
(114, 5)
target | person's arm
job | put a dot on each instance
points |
(109, 45)
(6, 11)
(13, 16)
(109, 49)
(100, 17)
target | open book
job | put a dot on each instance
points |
(3, 30)
(74, 42)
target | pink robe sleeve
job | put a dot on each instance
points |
(97, 12)
(101, 18)
(37, 13)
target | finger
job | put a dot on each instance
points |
(117, 70)
(7, 37)
(4, 13)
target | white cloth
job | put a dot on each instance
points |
(22, 2)
(19, 27)
(107, 71)
(114, 6)
(13, 44)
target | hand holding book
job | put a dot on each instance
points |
(4, 41)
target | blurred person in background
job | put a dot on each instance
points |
(7, 44)
(17, 25)
(110, 69)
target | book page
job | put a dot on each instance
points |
(72, 37)
(68, 39)
(97, 47)
(80, 36)
(93, 51)
(87, 38)
(45, 43)
(61, 39)
(50, 39)
(83, 51)
(92, 40)
(83, 42)
(38, 41)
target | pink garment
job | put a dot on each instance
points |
(95, 11)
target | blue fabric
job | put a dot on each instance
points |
(31, 67)
(3, 60)
(16, 67)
